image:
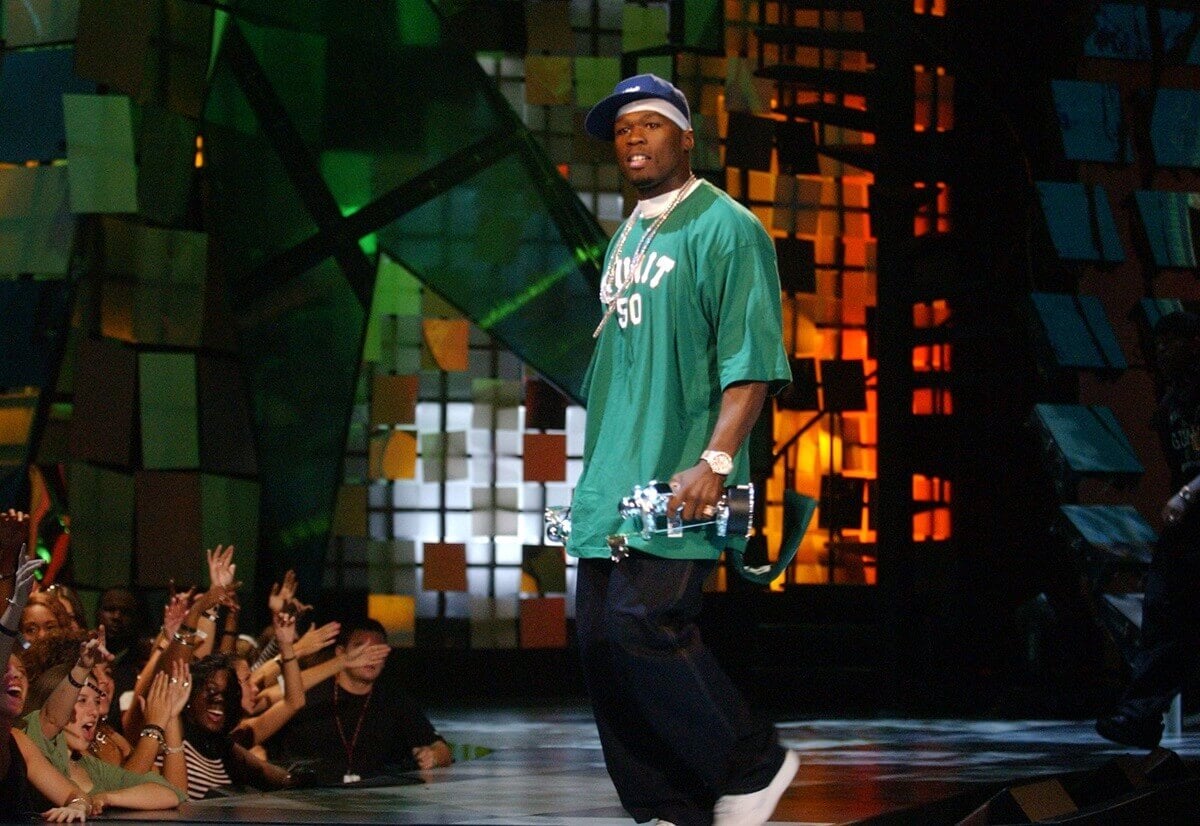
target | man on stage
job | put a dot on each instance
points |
(690, 347)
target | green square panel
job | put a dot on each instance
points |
(1089, 439)
(492, 249)
(170, 425)
(1078, 332)
(101, 525)
(229, 516)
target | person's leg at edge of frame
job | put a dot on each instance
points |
(1162, 662)
(647, 777)
(653, 604)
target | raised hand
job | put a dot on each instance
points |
(282, 593)
(176, 609)
(217, 596)
(285, 627)
(26, 568)
(179, 688)
(317, 638)
(93, 651)
(158, 700)
(366, 655)
(221, 567)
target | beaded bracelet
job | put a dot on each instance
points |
(73, 681)
(172, 749)
(151, 730)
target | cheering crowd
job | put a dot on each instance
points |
(103, 718)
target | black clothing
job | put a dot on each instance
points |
(642, 655)
(1170, 610)
(125, 669)
(1178, 423)
(15, 802)
(376, 735)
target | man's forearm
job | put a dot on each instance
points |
(696, 490)
(740, 406)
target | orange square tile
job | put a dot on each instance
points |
(543, 622)
(545, 457)
(394, 399)
(445, 567)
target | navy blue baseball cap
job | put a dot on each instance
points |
(599, 121)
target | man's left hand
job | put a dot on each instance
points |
(698, 490)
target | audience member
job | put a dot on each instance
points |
(70, 602)
(120, 614)
(63, 728)
(43, 615)
(356, 726)
(212, 758)
(1170, 614)
(13, 797)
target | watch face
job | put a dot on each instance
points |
(720, 462)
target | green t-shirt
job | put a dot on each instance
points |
(106, 777)
(704, 313)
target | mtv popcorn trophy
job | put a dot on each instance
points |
(646, 505)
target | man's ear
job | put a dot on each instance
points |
(689, 140)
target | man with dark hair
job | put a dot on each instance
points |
(1171, 610)
(689, 349)
(120, 612)
(356, 726)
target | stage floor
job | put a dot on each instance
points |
(546, 768)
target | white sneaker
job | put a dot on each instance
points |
(756, 808)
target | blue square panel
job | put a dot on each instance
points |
(32, 84)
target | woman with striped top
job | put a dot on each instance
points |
(212, 759)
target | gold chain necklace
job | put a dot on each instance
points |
(611, 286)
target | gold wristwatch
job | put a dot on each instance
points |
(721, 463)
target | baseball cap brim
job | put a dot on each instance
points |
(602, 118)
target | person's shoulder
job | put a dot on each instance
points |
(729, 217)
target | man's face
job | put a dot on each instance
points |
(366, 673)
(652, 152)
(118, 612)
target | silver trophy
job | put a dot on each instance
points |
(646, 505)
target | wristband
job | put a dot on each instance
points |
(6, 631)
(151, 730)
(285, 660)
(71, 679)
(75, 800)
(172, 749)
